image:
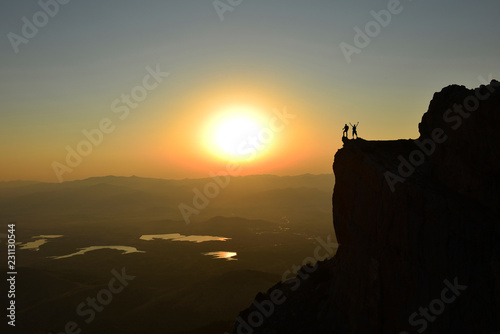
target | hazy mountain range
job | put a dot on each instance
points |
(271, 223)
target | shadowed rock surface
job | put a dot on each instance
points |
(418, 223)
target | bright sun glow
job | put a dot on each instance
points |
(231, 130)
(238, 134)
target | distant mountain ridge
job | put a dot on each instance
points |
(141, 182)
(117, 196)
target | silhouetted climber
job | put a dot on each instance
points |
(345, 133)
(354, 132)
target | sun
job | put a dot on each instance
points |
(237, 134)
(232, 131)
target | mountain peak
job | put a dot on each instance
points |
(418, 226)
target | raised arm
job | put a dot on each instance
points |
(350, 123)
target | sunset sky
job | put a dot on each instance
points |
(233, 72)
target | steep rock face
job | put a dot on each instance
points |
(418, 223)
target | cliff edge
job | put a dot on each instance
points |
(418, 223)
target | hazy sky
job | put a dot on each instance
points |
(76, 69)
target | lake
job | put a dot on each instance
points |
(222, 255)
(180, 237)
(124, 249)
(35, 245)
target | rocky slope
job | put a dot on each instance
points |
(418, 223)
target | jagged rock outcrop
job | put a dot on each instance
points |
(418, 223)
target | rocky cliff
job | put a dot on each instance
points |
(418, 223)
